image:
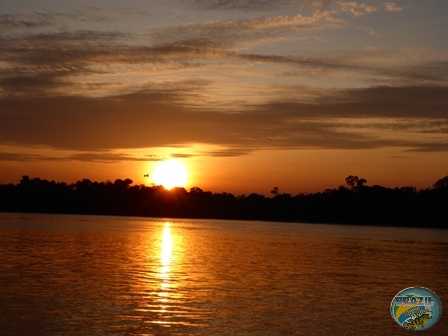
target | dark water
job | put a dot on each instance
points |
(88, 275)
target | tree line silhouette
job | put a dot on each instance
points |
(352, 203)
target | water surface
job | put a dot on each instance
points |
(92, 275)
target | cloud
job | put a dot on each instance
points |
(229, 152)
(241, 4)
(391, 7)
(356, 9)
(8, 21)
(429, 148)
(84, 157)
(5, 156)
(107, 157)
(359, 9)
(226, 34)
(16, 23)
(182, 156)
(54, 63)
(352, 7)
(149, 119)
(94, 91)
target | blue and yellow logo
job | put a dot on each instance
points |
(416, 308)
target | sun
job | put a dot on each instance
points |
(169, 174)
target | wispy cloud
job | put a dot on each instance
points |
(87, 61)
(8, 21)
(355, 8)
(149, 119)
(359, 9)
(106, 157)
(212, 35)
(18, 23)
(22, 157)
(83, 157)
(240, 4)
(98, 90)
(182, 156)
(228, 152)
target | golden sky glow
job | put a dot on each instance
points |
(246, 94)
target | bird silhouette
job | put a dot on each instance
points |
(146, 175)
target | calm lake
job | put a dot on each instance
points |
(93, 275)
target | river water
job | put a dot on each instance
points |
(93, 275)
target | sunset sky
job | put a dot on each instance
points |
(248, 94)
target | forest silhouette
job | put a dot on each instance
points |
(351, 203)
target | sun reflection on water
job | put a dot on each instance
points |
(165, 254)
(164, 272)
(167, 299)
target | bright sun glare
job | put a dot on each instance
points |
(171, 173)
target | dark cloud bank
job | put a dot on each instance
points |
(154, 119)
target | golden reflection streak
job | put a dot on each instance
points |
(165, 259)
(165, 255)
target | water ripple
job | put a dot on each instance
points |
(151, 277)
